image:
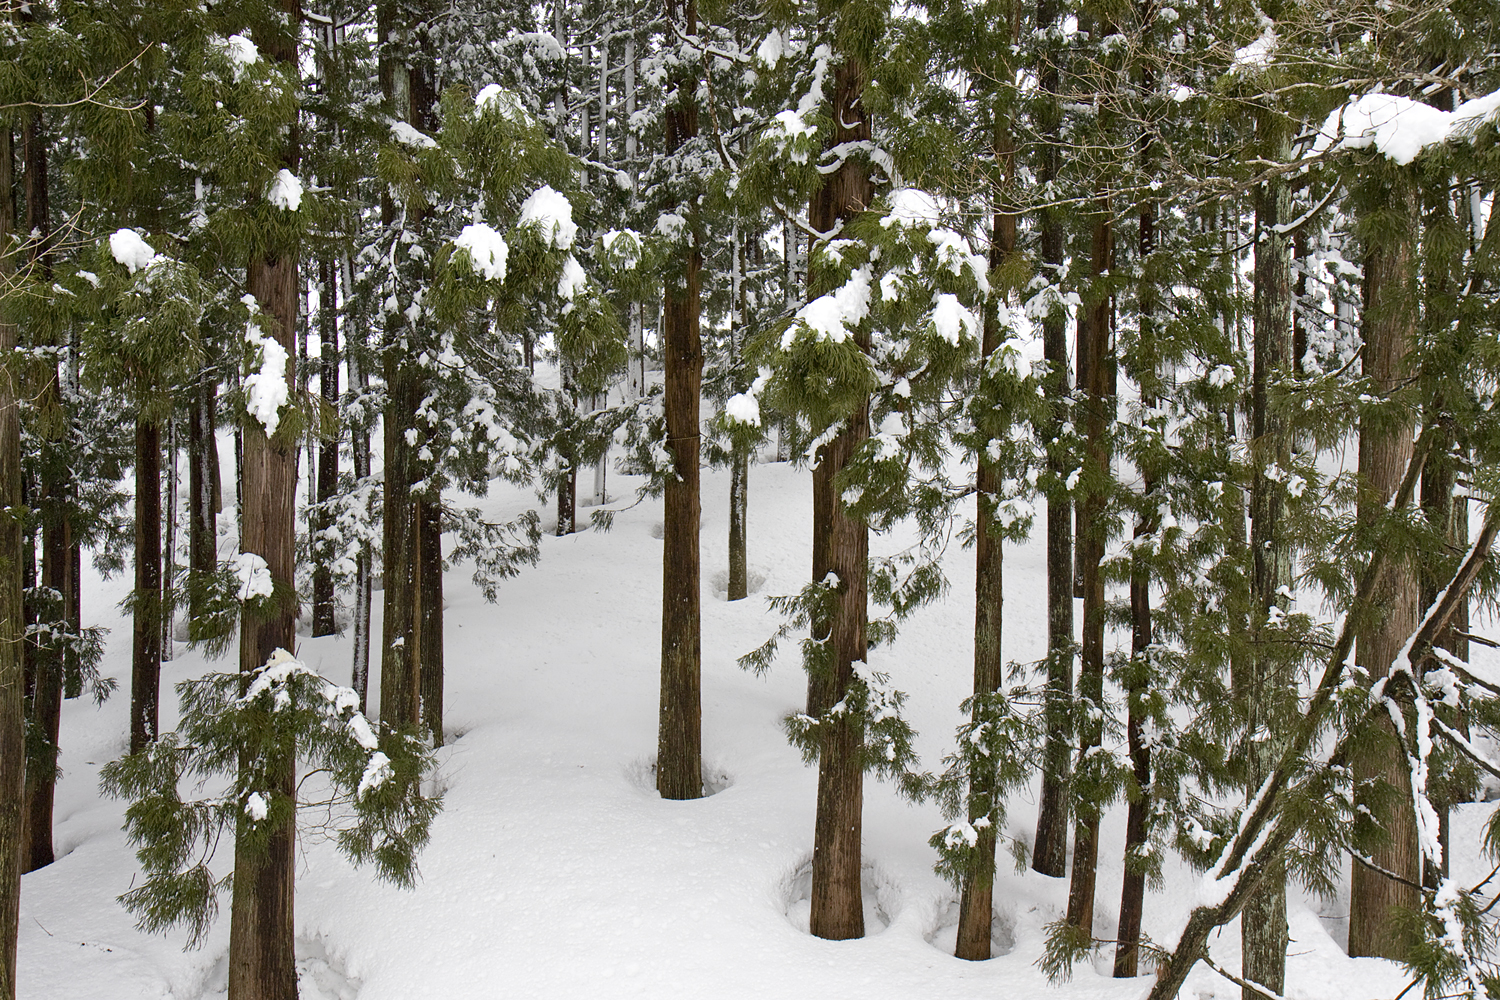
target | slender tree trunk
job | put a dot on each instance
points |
(169, 545)
(837, 907)
(430, 570)
(1385, 448)
(679, 750)
(1096, 375)
(1269, 692)
(12, 723)
(261, 932)
(820, 682)
(145, 659)
(364, 568)
(1049, 855)
(203, 516)
(976, 899)
(739, 464)
(328, 457)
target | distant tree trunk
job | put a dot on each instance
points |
(739, 463)
(56, 485)
(145, 658)
(328, 458)
(820, 682)
(1385, 448)
(430, 572)
(1269, 685)
(203, 515)
(837, 908)
(169, 545)
(976, 900)
(679, 753)
(12, 721)
(1049, 855)
(1096, 376)
(359, 439)
(262, 960)
(1137, 831)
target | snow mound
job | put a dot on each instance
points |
(553, 213)
(130, 249)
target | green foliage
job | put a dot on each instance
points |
(246, 727)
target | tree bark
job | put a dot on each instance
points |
(679, 748)
(837, 907)
(976, 898)
(739, 488)
(1096, 375)
(12, 724)
(328, 456)
(430, 572)
(1385, 448)
(145, 658)
(203, 515)
(1049, 854)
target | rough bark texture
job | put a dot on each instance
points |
(202, 511)
(1096, 376)
(820, 682)
(837, 910)
(1391, 312)
(430, 573)
(739, 488)
(145, 655)
(328, 456)
(363, 578)
(262, 959)
(1268, 691)
(679, 748)
(12, 725)
(1049, 855)
(976, 898)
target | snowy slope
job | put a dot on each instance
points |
(555, 871)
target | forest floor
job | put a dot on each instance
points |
(555, 870)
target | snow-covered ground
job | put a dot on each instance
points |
(555, 871)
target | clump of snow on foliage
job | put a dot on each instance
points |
(487, 250)
(253, 574)
(952, 319)
(771, 49)
(285, 190)
(832, 316)
(377, 772)
(241, 53)
(1399, 127)
(743, 408)
(255, 807)
(553, 213)
(131, 250)
(266, 390)
(407, 135)
(912, 207)
(622, 253)
(573, 279)
(502, 100)
(1258, 53)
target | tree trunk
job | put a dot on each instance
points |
(399, 658)
(203, 539)
(328, 457)
(739, 486)
(262, 960)
(679, 749)
(430, 572)
(364, 568)
(1049, 855)
(1096, 375)
(837, 908)
(169, 545)
(12, 724)
(1385, 448)
(1269, 692)
(976, 900)
(145, 658)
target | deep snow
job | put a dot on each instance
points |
(555, 871)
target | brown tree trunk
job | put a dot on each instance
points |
(1385, 448)
(820, 679)
(364, 569)
(400, 659)
(145, 658)
(1096, 376)
(679, 747)
(203, 515)
(262, 960)
(976, 898)
(1049, 855)
(430, 573)
(12, 724)
(739, 488)
(328, 456)
(837, 907)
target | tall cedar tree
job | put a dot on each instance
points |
(262, 960)
(1050, 853)
(837, 908)
(1389, 224)
(679, 740)
(12, 724)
